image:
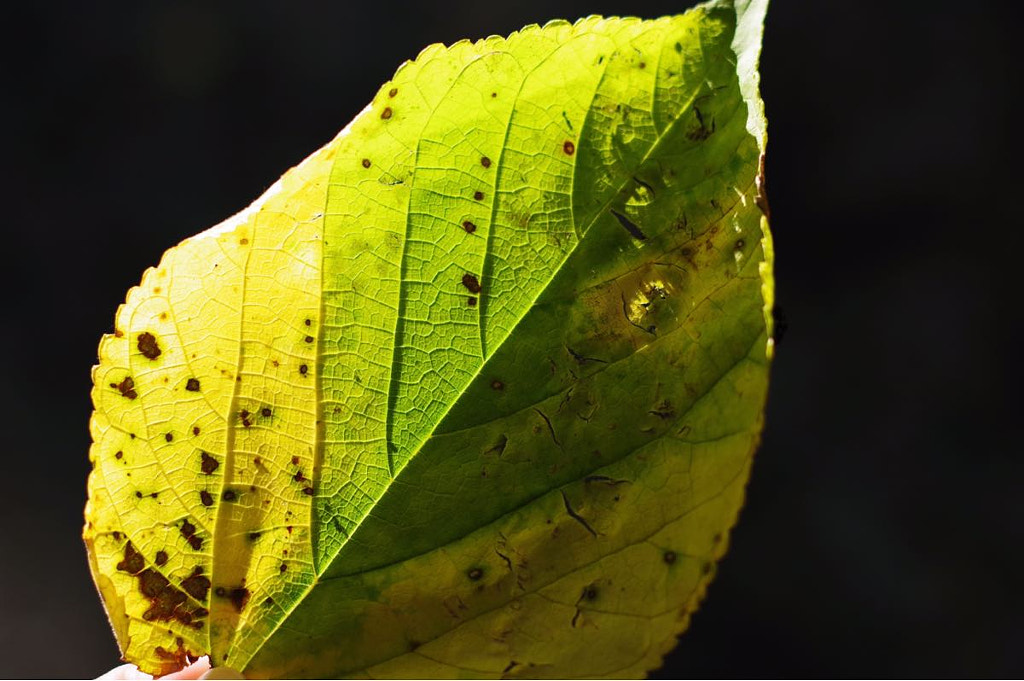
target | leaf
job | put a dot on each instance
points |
(473, 390)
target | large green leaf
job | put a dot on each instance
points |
(473, 390)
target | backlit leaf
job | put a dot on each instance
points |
(473, 390)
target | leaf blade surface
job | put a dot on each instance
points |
(500, 355)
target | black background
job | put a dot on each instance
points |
(884, 524)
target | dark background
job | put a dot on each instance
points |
(883, 531)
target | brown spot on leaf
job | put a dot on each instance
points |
(283, 568)
(295, 461)
(309, 339)
(118, 333)
(133, 561)
(188, 531)
(469, 226)
(669, 557)
(471, 301)
(471, 282)
(485, 162)
(478, 195)
(475, 574)
(366, 163)
(173, 660)
(161, 558)
(169, 437)
(195, 430)
(497, 385)
(126, 387)
(265, 411)
(192, 385)
(206, 498)
(197, 585)
(392, 92)
(386, 113)
(209, 464)
(568, 147)
(148, 346)
(303, 369)
(308, 491)
(118, 455)
(239, 597)
(229, 495)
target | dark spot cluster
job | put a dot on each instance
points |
(469, 226)
(471, 283)
(568, 147)
(174, 659)
(126, 387)
(166, 602)
(188, 531)
(192, 385)
(238, 596)
(206, 498)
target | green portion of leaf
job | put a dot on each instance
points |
(608, 381)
